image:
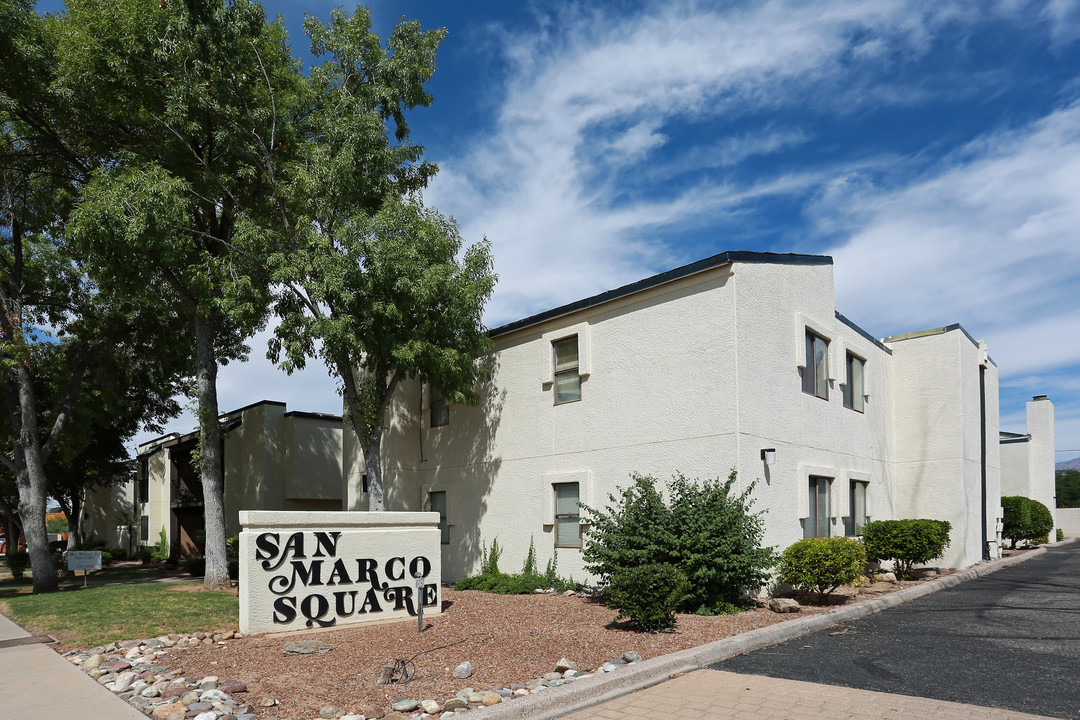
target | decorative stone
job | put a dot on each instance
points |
(607, 667)
(784, 605)
(887, 577)
(878, 588)
(471, 695)
(305, 647)
(552, 676)
(189, 697)
(431, 707)
(462, 671)
(455, 703)
(213, 695)
(563, 665)
(491, 698)
(267, 702)
(200, 707)
(167, 710)
(631, 657)
(405, 705)
(209, 715)
(93, 661)
(521, 692)
(150, 692)
(231, 687)
(132, 653)
(330, 712)
(155, 643)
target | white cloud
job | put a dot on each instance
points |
(555, 185)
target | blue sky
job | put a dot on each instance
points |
(933, 149)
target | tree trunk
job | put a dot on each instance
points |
(373, 467)
(30, 479)
(74, 513)
(217, 562)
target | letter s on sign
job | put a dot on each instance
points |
(284, 610)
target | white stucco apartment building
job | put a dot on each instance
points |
(739, 361)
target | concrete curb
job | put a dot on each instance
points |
(597, 689)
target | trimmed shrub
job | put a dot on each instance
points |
(194, 566)
(145, 555)
(119, 554)
(823, 564)
(708, 532)
(17, 562)
(1025, 519)
(906, 542)
(106, 558)
(647, 595)
(1060, 534)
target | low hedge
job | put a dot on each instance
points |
(823, 564)
(647, 595)
(1025, 519)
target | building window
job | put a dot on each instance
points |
(853, 524)
(144, 529)
(817, 524)
(854, 390)
(567, 379)
(363, 483)
(815, 379)
(437, 502)
(440, 411)
(567, 516)
(144, 481)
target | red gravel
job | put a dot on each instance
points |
(508, 639)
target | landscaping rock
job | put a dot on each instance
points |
(405, 705)
(167, 710)
(455, 703)
(607, 667)
(470, 695)
(304, 647)
(462, 671)
(784, 605)
(93, 661)
(330, 712)
(431, 707)
(886, 577)
(200, 707)
(231, 687)
(631, 657)
(150, 692)
(878, 588)
(552, 676)
(564, 664)
(490, 699)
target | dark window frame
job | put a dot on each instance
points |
(444, 525)
(814, 525)
(855, 391)
(815, 378)
(575, 515)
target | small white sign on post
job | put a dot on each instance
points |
(84, 560)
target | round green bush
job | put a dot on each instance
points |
(145, 555)
(823, 564)
(647, 595)
(106, 558)
(17, 562)
(1025, 519)
(194, 566)
(119, 554)
(906, 542)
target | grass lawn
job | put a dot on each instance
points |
(84, 618)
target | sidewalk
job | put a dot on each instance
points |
(35, 682)
(724, 695)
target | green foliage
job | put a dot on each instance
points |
(17, 563)
(1060, 534)
(1025, 519)
(1067, 486)
(906, 542)
(823, 564)
(119, 554)
(56, 525)
(491, 579)
(161, 550)
(194, 565)
(708, 532)
(647, 595)
(145, 555)
(106, 558)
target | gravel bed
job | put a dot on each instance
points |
(507, 639)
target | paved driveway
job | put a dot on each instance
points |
(1009, 640)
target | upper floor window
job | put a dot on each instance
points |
(567, 515)
(143, 494)
(440, 411)
(815, 379)
(567, 378)
(854, 390)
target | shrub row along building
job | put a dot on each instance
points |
(739, 361)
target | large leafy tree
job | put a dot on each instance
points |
(195, 102)
(374, 284)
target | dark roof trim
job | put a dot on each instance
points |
(862, 332)
(254, 404)
(1008, 438)
(678, 273)
(313, 415)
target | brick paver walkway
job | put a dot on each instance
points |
(731, 696)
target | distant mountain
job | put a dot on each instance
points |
(1073, 464)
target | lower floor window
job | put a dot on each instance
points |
(817, 523)
(438, 504)
(567, 516)
(144, 529)
(854, 522)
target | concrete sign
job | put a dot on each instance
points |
(84, 560)
(301, 570)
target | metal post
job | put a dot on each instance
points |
(419, 602)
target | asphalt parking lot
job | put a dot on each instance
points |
(1008, 640)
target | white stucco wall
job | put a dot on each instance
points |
(1069, 521)
(1016, 467)
(1040, 423)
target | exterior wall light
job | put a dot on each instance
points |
(769, 455)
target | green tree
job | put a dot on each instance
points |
(194, 101)
(373, 283)
(1068, 488)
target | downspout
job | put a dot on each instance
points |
(982, 456)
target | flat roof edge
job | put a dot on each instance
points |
(862, 332)
(724, 258)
